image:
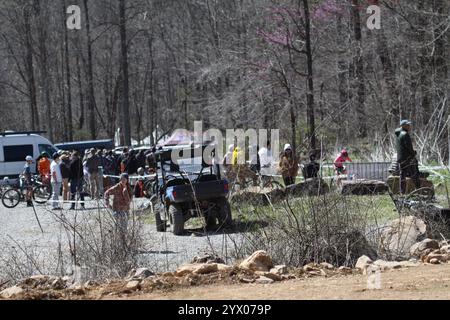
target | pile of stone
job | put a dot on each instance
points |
(431, 251)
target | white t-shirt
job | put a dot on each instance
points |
(54, 167)
(266, 160)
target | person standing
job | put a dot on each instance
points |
(288, 165)
(27, 180)
(65, 173)
(122, 194)
(92, 164)
(56, 180)
(44, 167)
(406, 156)
(76, 179)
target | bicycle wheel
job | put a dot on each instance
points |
(421, 194)
(41, 194)
(11, 198)
(272, 184)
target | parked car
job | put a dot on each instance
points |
(15, 146)
(81, 146)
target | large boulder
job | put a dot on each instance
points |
(196, 268)
(397, 239)
(309, 187)
(419, 248)
(364, 187)
(11, 292)
(258, 261)
(363, 263)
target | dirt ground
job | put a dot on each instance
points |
(423, 282)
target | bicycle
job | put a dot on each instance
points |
(247, 177)
(12, 196)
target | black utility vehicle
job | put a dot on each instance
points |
(184, 190)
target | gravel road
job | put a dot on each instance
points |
(20, 235)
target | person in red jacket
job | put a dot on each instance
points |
(340, 160)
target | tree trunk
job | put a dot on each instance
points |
(91, 96)
(30, 71)
(310, 81)
(42, 34)
(125, 86)
(68, 82)
(359, 71)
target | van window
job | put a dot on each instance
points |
(47, 148)
(17, 153)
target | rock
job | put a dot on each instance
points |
(208, 258)
(436, 255)
(258, 261)
(273, 276)
(58, 284)
(445, 249)
(327, 265)
(364, 187)
(418, 248)
(363, 263)
(434, 261)
(133, 285)
(279, 270)
(168, 274)
(11, 292)
(224, 267)
(344, 270)
(206, 268)
(310, 267)
(264, 280)
(185, 269)
(141, 273)
(400, 236)
(388, 265)
(196, 268)
(246, 280)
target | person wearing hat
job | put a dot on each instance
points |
(288, 165)
(406, 155)
(340, 160)
(122, 194)
(56, 180)
(27, 180)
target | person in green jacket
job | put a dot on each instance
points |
(406, 155)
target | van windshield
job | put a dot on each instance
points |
(47, 148)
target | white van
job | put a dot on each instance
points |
(15, 146)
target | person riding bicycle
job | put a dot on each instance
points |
(28, 185)
(339, 162)
(44, 167)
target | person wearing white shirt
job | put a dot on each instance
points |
(266, 159)
(56, 181)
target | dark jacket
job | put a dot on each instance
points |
(405, 150)
(76, 169)
(64, 166)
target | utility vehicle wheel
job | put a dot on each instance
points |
(176, 215)
(160, 224)
(225, 217)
